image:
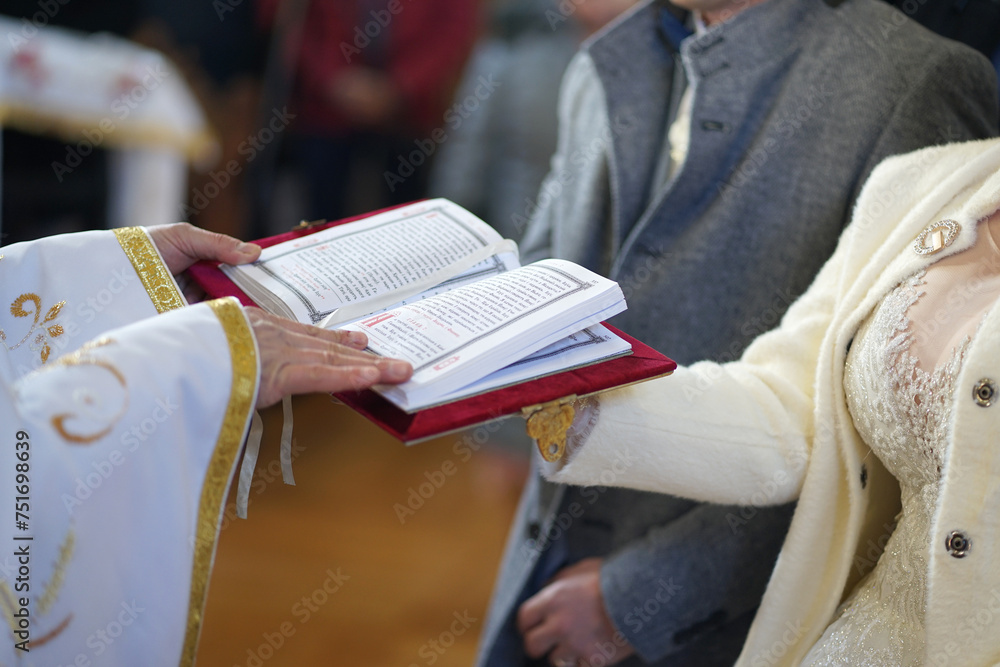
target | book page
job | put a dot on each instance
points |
(421, 333)
(461, 335)
(315, 275)
(593, 344)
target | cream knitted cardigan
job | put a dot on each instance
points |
(774, 426)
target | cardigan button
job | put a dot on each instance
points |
(958, 544)
(984, 392)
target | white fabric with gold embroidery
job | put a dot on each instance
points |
(130, 447)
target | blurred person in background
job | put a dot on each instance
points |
(220, 50)
(498, 151)
(372, 80)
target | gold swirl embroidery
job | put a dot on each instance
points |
(83, 357)
(55, 584)
(10, 604)
(52, 634)
(152, 271)
(74, 358)
(40, 341)
(243, 356)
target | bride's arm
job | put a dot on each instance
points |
(725, 432)
(736, 433)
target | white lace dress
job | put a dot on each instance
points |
(902, 413)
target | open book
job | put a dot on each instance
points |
(433, 284)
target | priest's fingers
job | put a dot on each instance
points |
(285, 378)
(297, 358)
(301, 335)
(182, 244)
(329, 355)
(282, 376)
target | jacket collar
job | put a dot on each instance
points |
(979, 170)
(883, 246)
(636, 65)
(752, 39)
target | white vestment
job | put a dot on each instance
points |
(124, 412)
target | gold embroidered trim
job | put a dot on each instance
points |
(243, 354)
(152, 272)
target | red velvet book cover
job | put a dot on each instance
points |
(643, 364)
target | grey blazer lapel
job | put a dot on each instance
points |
(737, 70)
(636, 72)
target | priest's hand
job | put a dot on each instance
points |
(298, 359)
(567, 621)
(182, 244)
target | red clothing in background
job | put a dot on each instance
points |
(420, 44)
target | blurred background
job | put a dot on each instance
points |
(247, 116)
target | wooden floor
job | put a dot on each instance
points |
(326, 573)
